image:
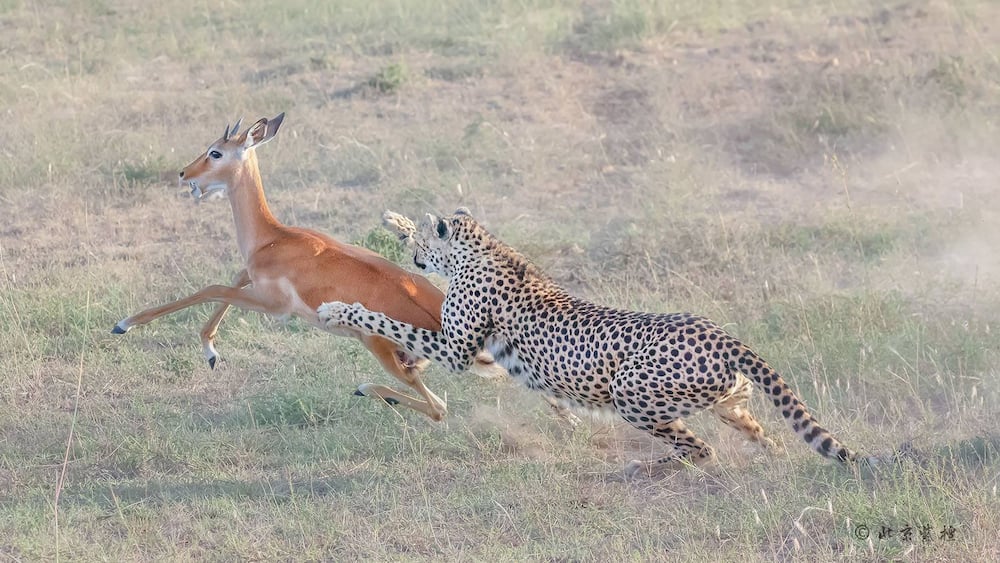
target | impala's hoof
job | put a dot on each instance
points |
(358, 393)
(391, 401)
(118, 329)
(211, 356)
(571, 419)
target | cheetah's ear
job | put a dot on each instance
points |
(463, 211)
(443, 230)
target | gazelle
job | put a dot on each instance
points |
(291, 271)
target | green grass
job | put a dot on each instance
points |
(385, 243)
(388, 79)
(816, 177)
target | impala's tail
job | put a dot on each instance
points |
(794, 412)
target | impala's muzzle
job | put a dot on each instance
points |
(199, 194)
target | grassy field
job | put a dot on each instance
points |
(820, 177)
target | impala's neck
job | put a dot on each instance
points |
(255, 225)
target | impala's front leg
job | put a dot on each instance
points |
(457, 352)
(211, 328)
(249, 298)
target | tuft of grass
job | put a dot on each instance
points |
(289, 409)
(143, 172)
(623, 24)
(323, 62)
(389, 79)
(384, 243)
(866, 242)
(950, 76)
(455, 73)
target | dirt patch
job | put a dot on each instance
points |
(629, 122)
(518, 435)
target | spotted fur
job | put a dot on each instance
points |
(652, 369)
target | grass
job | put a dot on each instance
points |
(817, 177)
(388, 79)
(385, 243)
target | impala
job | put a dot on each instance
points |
(291, 271)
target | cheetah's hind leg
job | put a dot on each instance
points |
(688, 449)
(632, 401)
(732, 410)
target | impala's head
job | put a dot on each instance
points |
(214, 169)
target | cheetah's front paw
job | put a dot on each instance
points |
(337, 313)
(399, 224)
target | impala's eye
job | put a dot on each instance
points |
(216, 155)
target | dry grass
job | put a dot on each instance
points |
(819, 177)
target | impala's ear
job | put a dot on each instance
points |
(272, 126)
(262, 131)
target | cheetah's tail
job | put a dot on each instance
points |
(794, 412)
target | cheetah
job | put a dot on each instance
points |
(652, 369)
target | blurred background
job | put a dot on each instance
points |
(819, 177)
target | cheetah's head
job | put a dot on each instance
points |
(436, 246)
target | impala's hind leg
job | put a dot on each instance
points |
(409, 373)
(732, 410)
(211, 328)
(563, 412)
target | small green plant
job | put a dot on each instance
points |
(389, 79)
(384, 243)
